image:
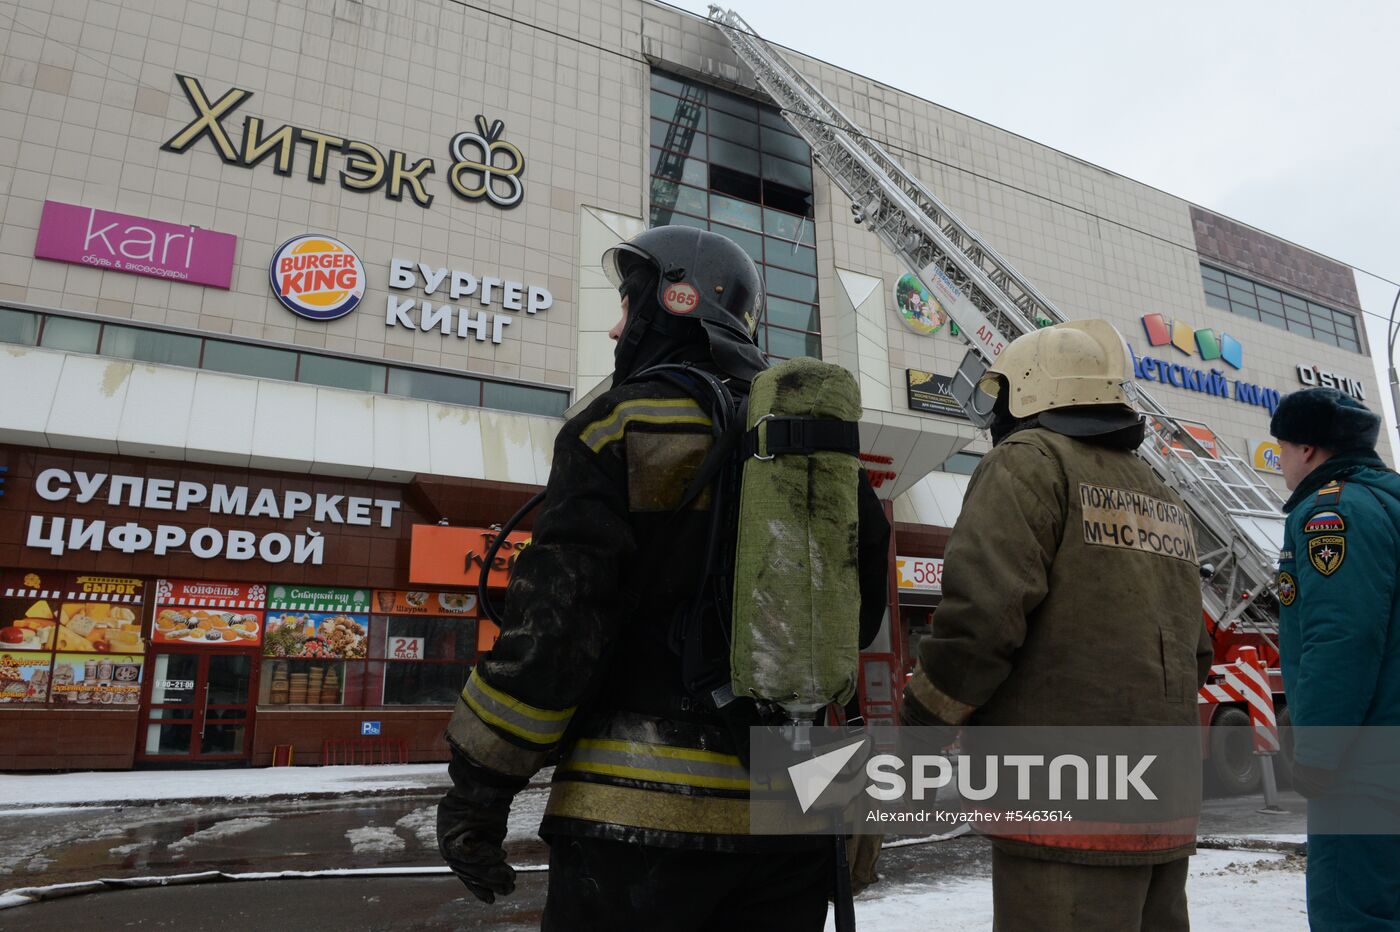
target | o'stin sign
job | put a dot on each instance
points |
(317, 277)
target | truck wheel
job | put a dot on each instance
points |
(1234, 770)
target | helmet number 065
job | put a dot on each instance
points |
(680, 298)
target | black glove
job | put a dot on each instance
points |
(471, 827)
(1312, 782)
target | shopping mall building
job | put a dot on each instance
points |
(294, 297)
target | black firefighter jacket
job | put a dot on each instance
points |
(1072, 597)
(583, 666)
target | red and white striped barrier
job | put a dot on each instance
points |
(1246, 681)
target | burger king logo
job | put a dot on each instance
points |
(317, 277)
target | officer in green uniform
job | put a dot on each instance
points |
(1072, 596)
(648, 815)
(1339, 636)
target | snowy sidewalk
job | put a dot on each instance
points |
(119, 788)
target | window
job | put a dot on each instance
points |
(19, 327)
(1257, 301)
(172, 349)
(154, 344)
(67, 333)
(341, 373)
(725, 163)
(242, 359)
(434, 386)
(422, 658)
(524, 398)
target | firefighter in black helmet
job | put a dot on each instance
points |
(647, 819)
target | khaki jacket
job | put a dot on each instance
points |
(1071, 596)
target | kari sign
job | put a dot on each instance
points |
(452, 556)
(105, 239)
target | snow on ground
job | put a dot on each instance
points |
(219, 830)
(524, 824)
(45, 791)
(374, 839)
(1221, 882)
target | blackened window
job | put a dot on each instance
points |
(723, 163)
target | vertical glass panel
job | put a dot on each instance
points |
(788, 344)
(71, 334)
(670, 85)
(734, 128)
(1212, 274)
(260, 361)
(774, 118)
(168, 739)
(424, 683)
(734, 212)
(789, 256)
(524, 398)
(787, 313)
(751, 243)
(173, 679)
(1273, 320)
(732, 155)
(730, 103)
(1241, 296)
(18, 327)
(661, 218)
(787, 173)
(435, 386)
(674, 167)
(790, 284)
(675, 110)
(789, 147)
(1218, 301)
(222, 739)
(667, 195)
(341, 373)
(444, 638)
(788, 226)
(228, 678)
(678, 138)
(150, 346)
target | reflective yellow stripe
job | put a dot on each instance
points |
(657, 763)
(602, 432)
(474, 738)
(511, 715)
(653, 809)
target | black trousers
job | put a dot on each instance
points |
(616, 886)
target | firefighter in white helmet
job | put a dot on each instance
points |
(1053, 615)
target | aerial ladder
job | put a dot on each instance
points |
(1237, 516)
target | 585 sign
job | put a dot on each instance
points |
(484, 166)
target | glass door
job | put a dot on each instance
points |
(199, 707)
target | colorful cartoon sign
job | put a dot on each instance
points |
(919, 310)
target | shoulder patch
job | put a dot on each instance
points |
(1326, 553)
(1331, 491)
(1287, 588)
(610, 428)
(1325, 521)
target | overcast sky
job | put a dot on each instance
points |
(1273, 113)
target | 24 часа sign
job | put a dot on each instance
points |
(484, 167)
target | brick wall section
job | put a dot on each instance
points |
(422, 729)
(1247, 250)
(59, 739)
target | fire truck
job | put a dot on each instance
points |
(1237, 516)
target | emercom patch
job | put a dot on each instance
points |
(1327, 552)
(1134, 521)
(1287, 588)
